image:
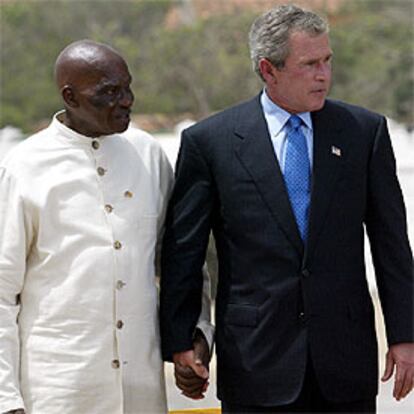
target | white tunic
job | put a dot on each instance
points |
(79, 220)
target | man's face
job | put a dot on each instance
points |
(304, 81)
(104, 99)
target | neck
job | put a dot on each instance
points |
(72, 123)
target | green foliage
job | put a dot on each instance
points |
(201, 67)
(373, 43)
(34, 32)
(204, 67)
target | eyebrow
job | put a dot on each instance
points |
(106, 82)
(328, 56)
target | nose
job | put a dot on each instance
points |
(127, 98)
(323, 72)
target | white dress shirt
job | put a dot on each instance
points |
(79, 221)
(276, 120)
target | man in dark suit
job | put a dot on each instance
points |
(287, 182)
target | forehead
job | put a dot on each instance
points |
(112, 70)
(305, 45)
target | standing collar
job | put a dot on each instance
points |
(69, 135)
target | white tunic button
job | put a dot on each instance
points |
(120, 284)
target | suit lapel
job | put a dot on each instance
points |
(255, 151)
(329, 152)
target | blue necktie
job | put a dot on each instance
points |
(297, 174)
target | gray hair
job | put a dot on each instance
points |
(269, 34)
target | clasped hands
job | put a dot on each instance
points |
(191, 368)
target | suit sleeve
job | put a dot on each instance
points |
(184, 248)
(14, 243)
(386, 225)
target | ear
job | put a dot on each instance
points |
(267, 70)
(69, 96)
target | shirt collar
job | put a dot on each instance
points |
(279, 115)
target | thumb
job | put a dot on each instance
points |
(201, 350)
(389, 367)
(188, 359)
(200, 354)
(200, 369)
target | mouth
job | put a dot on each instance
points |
(319, 92)
(124, 116)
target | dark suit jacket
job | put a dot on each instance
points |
(277, 300)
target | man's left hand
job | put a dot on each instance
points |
(402, 357)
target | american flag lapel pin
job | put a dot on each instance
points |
(336, 151)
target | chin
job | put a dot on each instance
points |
(122, 126)
(317, 106)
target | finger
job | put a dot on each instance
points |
(199, 389)
(198, 359)
(193, 395)
(185, 372)
(193, 381)
(187, 359)
(200, 370)
(191, 391)
(188, 375)
(407, 385)
(190, 384)
(183, 358)
(200, 353)
(389, 367)
(205, 387)
(198, 397)
(398, 383)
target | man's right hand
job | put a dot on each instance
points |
(191, 369)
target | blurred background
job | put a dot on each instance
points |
(189, 59)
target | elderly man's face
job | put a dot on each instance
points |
(104, 99)
(303, 83)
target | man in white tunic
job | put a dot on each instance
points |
(81, 207)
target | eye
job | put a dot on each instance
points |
(111, 91)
